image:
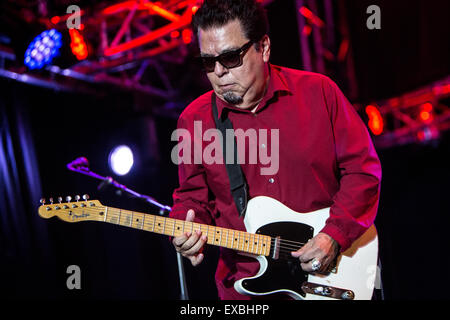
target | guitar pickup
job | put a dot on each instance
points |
(328, 291)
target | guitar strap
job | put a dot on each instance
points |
(238, 184)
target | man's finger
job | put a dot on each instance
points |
(178, 241)
(190, 216)
(196, 260)
(190, 242)
(197, 246)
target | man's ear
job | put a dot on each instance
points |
(265, 46)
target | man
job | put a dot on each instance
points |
(326, 157)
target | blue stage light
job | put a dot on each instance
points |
(43, 49)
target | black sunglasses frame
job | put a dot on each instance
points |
(211, 61)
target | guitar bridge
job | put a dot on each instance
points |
(328, 291)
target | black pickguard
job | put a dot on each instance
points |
(284, 272)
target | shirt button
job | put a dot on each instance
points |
(263, 146)
(271, 180)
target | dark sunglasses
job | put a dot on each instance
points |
(230, 59)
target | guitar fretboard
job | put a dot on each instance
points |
(218, 236)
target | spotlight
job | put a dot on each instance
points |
(43, 49)
(376, 122)
(78, 45)
(121, 160)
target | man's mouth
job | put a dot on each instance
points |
(226, 86)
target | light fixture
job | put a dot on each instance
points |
(121, 160)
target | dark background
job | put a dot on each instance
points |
(410, 50)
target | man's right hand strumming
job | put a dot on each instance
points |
(190, 245)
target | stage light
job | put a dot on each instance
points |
(376, 123)
(121, 160)
(186, 34)
(78, 45)
(426, 114)
(43, 49)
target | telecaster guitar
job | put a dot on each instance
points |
(273, 232)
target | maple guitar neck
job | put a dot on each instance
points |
(93, 210)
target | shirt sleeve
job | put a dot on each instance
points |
(193, 191)
(355, 204)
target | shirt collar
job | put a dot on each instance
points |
(277, 84)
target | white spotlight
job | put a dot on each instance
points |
(121, 160)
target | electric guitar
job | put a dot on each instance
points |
(273, 231)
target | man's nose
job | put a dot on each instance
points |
(219, 69)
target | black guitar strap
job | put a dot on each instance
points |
(238, 185)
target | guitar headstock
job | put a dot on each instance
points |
(85, 210)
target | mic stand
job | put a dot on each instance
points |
(84, 169)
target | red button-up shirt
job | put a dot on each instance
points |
(326, 159)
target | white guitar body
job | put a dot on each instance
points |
(355, 269)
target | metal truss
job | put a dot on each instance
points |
(420, 116)
(126, 39)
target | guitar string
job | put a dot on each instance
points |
(283, 243)
(291, 247)
(240, 236)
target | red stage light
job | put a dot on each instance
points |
(426, 114)
(187, 36)
(78, 45)
(55, 19)
(376, 122)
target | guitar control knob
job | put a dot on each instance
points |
(348, 295)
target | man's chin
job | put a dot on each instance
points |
(232, 98)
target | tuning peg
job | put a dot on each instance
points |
(85, 197)
(77, 197)
(42, 200)
(59, 199)
(68, 198)
(51, 200)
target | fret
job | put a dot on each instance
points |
(143, 220)
(131, 222)
(154, 222)
(205, 230)
(120, 212)
(113, 218)
(106, 213)
(246, 241)
(252, 241)
(259, 245)
(216, 239)
(228, 233)
(179, 227)
(128, 219)
(164, 226)
(158, 225)
(173, 231)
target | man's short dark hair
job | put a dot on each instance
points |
(217, 13)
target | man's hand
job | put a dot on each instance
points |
(322, 248)
(190, 245)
